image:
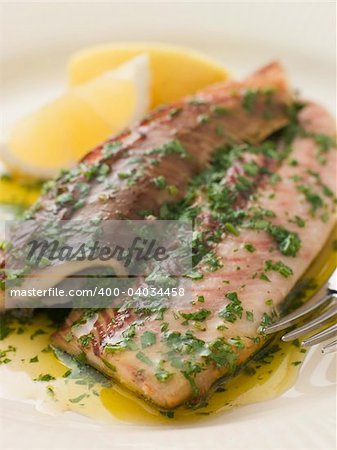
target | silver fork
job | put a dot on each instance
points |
(326, 300)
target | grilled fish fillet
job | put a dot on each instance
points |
(178, 358)
(118, 179)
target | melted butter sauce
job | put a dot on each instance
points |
(13, 192)
(29, 369)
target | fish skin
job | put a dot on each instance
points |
(288, 202)
(161, 127)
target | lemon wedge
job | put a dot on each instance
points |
(63, 131)
(176, 71)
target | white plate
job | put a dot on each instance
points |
(36, 41)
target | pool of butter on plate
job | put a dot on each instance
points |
(26, 356)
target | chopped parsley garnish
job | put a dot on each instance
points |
(298, 221)
(250, 248)
(280, 267)
(175, 112)
(86, 339)
(5, 328)
(4, 354)
(110, 149)
(203, 118)
(296, 343)
(44, 377)
(274, 178)
(250, 316)
(288, 242)
(220, 110)
(233, 310)
(78, 399)
(144, 212)
(230, 228)
(159, 182)
(243, 184)
(313, 198)
(64, 198)
(200, 315)
(251, 168)
(164, 327)
(249, 99)
(34, 359)
(145, 359)
(324, 143)
(264, 277)
(130, 331)
(327, 191)
(265, 321)
(168, 414)
(37, 333)
(79, 204)
(212, 262)
(172, 189)
(123, 175)
(170, 148)
(219, 130)
(147, 339)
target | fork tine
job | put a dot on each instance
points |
(321, 336)
(312, 325)
(315, 302)
(329, 348)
